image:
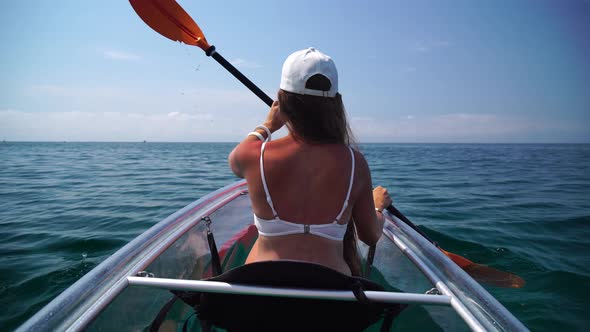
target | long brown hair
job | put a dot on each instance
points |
(350, 250)
(316, 120)
(322, 120)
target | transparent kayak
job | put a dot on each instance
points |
(129, 289)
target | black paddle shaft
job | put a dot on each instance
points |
(237, 74)
(407, 221)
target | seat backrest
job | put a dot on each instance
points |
(266, 313)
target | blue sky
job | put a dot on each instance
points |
(410, 71)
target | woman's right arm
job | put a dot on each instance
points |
(241, 154)
(368, 221)
(247, 151)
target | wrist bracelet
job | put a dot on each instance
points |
(266, 130)
(257, 134)
(376, 209)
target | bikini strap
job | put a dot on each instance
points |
(345, 205)
(268, 199)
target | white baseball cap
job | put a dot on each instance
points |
(302, 65)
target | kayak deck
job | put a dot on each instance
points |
(128, 289)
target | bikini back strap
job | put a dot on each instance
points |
(268, 199)
(345, 205)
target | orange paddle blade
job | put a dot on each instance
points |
(171, 21)
(486, 274)
(459, 260)
(481, 273)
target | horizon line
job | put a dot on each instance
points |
(236, 142)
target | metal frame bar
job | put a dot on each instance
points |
(153, 253)
(459, 308)
(241, 289)
(111, 274)
(493, 316)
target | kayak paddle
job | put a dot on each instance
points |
(170, 20)
(481, 273)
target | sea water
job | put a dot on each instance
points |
(523, 208)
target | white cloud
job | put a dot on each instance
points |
(456, 127)
(441, 43)
(168, 99)
(210, 126)
(110, 126)
(241, 63)
(101, 113)
(420, 48)
(86, 113)
(447, 127)
(425, 47)
(119, 55)
(74, 91)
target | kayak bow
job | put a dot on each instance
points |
(127, 290)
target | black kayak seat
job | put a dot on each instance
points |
(234, 312)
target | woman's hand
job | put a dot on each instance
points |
(381, 198)
(274, 120)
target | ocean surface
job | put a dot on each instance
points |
(524, 208)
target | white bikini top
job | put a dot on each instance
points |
(278, 227)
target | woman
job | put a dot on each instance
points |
(307, 186)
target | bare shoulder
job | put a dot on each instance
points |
(247, 150)
(361, 164)
(362, 173)
(243, 156)
(360, 160)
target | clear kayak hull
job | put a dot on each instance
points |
(106, 298)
